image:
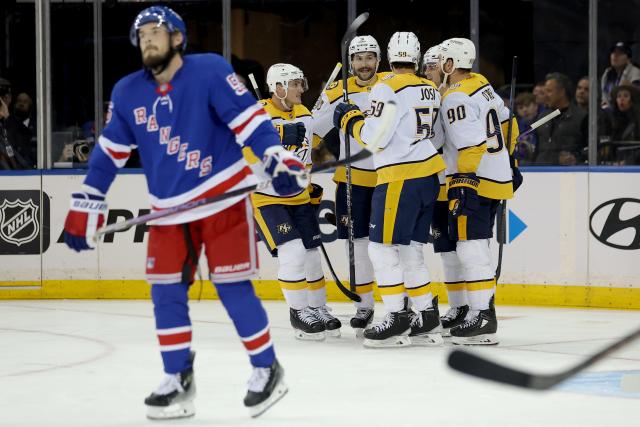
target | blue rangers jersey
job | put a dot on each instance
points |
(189, 134)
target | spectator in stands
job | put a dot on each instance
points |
(541, 96)
(582, 94)
(562, 141)
(621, 72)
(527, 113)
(17, 141)
(621, 123)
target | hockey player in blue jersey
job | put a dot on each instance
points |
(189, 117)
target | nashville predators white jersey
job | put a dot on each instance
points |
(298, 114)
(362, 172)
(408, 151)
(475, 120)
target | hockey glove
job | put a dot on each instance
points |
(86, 215)
(315, 193)
(463, 194)
(292, 135)
(517, 178)
(288, 175)
(346, 116)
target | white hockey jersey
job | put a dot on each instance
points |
(475, 120)
(407, 152)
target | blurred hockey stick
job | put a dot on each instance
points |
(344, 46)
(388, 116)
(502, 208)
(480, 367)
(543, 121)
(255, 86)
(332, 77)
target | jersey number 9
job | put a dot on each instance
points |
(494, 131)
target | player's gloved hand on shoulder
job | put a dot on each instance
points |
(463, 194)
(517, 178)
(346, 116)
(86, 215)
(292, 134)
(287, 172)
(315, 193)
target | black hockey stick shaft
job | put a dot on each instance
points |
(346, 39)
(477, 366)
(502, 211)
(256, 89)
(351, 295)
(125, 225)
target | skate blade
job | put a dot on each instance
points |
(177, 410)
(359, 333)
(278, 393)
(485, 339)
(304, 336)
(393, 342)
(333, 333)
(427, 340)
(446, 333)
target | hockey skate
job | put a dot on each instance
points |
(305, 325)
(331, 324)
(478, 329)
(454, 317)
(425, 326)
(266, 387)
(174, 396)
(393, 331)
(362, 319)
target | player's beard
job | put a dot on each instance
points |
(365, 76)
(158, 63)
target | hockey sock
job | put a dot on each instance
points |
(388, 270)
(317, 291)
(173, 326)
(364, 272)
(416, 275)
(454, 279)
(250, 319)
(291, 273)
(479, 274)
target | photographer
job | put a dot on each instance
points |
(77, 151)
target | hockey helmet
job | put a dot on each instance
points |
(161, 15)
(283, 74)
(461, 51)
(404, 47)
(361, 44)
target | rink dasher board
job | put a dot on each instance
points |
(558, 254)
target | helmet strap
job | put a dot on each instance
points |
(282, 99)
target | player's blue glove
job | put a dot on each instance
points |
(292, 135)
(86, 215)
(517, 178)
(463, 194)
(287, 172)
(346, 116)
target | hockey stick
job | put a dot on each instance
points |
(346, 39)
(543, 121)
(502, 209)
(332, 77)
(480, 367)
(388, 116)
(255, 86)
(351, 295)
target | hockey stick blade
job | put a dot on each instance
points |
(477, 366)
(543, 121)
(351, 295)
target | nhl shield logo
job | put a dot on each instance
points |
(19, 221)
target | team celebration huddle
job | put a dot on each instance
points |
(424, 158)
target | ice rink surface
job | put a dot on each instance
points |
(91, 363)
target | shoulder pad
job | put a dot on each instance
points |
(334, 91)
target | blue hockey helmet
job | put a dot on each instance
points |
(161, 15)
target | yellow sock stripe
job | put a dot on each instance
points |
(265, 230)
(314, 285)
(392, 289)
(455, 286)
(419, 291)
(391, 202)
(462, 227)
(364, 288)
(293, 285)
(481, 285)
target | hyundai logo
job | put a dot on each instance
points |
(616, 223)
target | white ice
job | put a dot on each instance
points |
(91, 363)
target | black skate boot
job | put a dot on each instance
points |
(425, 326)
(305, 324)
(331, 324)
(361, 320)
(480, 329)
(174, 396)
(266, 387)
(393, 331)
(454, 317)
